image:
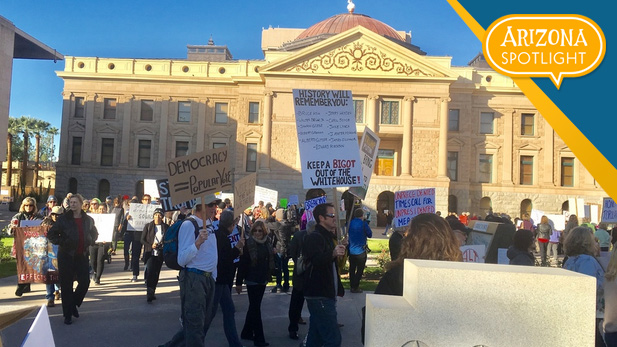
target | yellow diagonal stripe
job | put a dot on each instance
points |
(599, 167)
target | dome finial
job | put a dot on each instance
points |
(211, 41)
(350, 6)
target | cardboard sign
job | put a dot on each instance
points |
(410, 203)
(609, 211)
(266, 195)
(37, 260)
(473, 253)
(244, 193)
(327, 138)
(165, 197)
(480, 226)
(198, 174)
(309, 206)
(104, 224)
(140, 216)
(368, 153)
(40, 333)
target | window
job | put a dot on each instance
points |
(486, 122)
(253, 112)
(184, 111)
(486, 168)
(220, 112)
(251, 157)
(526, 170)
(109, 108)
(453, 119)
(147, 110)
(358, 106)
(79, 107)
(76, 154)
(389, 112)
(527, 122)
(104, 190)
(182, 148)
(567, 172)
(144, 153)
(453, 165)
(107, 152)
(385, 162)
(216, 145)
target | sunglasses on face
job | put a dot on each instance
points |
(28, 205)
(331, 215)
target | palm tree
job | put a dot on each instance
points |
(12, 131)
(25, 126)
(52, 131)
(39, 127)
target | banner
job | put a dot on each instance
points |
(140, 216)
(309, 206)
(37, 260)
(198, 174)
(244, 193)
(609, 211)
(266, 195)
(410, 203)
(327, 138)
(368, 153)
(104, 224)
(165, 197)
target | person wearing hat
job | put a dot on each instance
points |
(51, 202)
(53, 290)
(152, 240)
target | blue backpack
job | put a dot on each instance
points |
(170, 243)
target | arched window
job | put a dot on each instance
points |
(385, 203)
(139, 188)
(565, 206)
(486, 206)
(526, 207)
(104, 189)
(73, 185)
(452, 203)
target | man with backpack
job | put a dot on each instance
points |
(198, 257)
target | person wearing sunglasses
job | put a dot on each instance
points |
(27, 211)
(322, 279)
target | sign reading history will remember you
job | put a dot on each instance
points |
(198, 174)
(327, 138)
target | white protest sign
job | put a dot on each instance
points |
(609, 211)
(40, 333)
(595, 214)
(480, 226)
(165, 197)
(266, 195)
(293, 200)
(473, 253)
(536, 215)
(140, 216)
(368, 154)
(572, 205)
(410, 203)
(502, 256)
(557, 221)
(327, 138)
(309, 206)
(580, 207)
(199, 174)
(151, 188)
(104, 224)
(30, 223)
(244, 193)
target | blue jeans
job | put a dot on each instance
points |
(51, 291)
(282, 271)
(222, 295)
(323, 328)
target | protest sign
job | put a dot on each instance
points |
(536, 216)
(140, 216)
(309, 206)
(480, 226)
(165, 197)
(595, 213)
(151, 188)
(37, 260)
(502, 256)
(368, 153)
(327, 138)
(293, 200)
(244, 193)
(410, 203)
(30, 223)
(580, 207)
(266, 195)
(473, 253)
(198, 174)
(104, 224)
(40, 333)
(557, 221)
(572, 205)
(609, 211)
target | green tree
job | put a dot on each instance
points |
(13, 130)
(39, 127)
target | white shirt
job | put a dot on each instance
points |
(206, 257)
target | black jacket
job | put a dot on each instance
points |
(64, 233)
(147, 236)
(518, 257)
(225, 267)
(256, 262)
(295, 249)
(318, 248)
(282, 232)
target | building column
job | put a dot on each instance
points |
(372, 114)
(407, 117)
(161, 160)
(442, 168)
(89, 135)
(65, 151)
(266, 139)
(201, 125)
(549, 153)
(508, 151)
(126, 132)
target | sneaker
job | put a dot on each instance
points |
(57, 295)
(51, 303)
(356, 290)
(68, 320)
(294, 335)
(134, 279)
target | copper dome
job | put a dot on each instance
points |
(343, 22)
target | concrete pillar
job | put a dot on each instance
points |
(65, 151)
(372, 116)
(442, 169)
(201, 125)
(126, 132)
(266, 140)
(88, 146)
(164, 123)
(508, 151)
(407, 118)
(548, 166)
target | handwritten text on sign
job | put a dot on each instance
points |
(609, 211)
(410, 203)
(198, 174)
(327, 138)
(165, 197)
(244, 193)
(309, 206)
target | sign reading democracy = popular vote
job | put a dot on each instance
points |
(327, 138)
(199, 174)
(410, 203)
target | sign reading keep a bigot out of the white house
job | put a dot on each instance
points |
(327, 138)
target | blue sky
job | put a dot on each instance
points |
(162, 29)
